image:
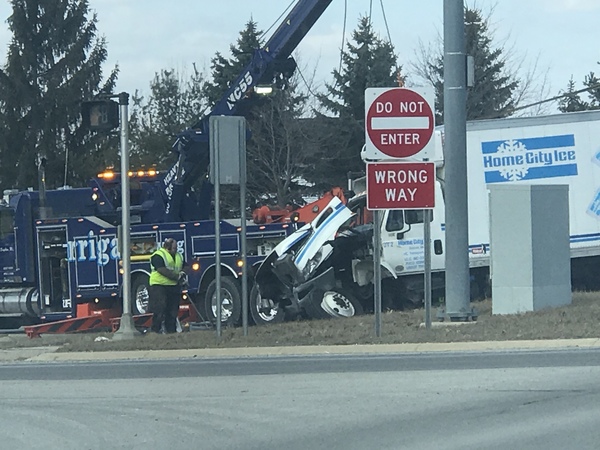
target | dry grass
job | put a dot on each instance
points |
(581, 319)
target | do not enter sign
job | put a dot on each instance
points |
(399, 122)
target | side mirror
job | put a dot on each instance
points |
(437, 247)
(401, 234)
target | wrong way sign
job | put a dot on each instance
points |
(401, 185)
(399, 123)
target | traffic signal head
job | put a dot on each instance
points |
(100, 115)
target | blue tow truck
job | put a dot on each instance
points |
(59, 249)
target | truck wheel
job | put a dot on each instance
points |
(139, 294)
(264, 310)
(312, 307)
(231, 302)
(334, 303)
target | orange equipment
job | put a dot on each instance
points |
(103, 320)
(305, 214)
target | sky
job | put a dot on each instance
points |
(555, 39)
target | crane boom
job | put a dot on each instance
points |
(268, 64)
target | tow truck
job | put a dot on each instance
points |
(59, 249)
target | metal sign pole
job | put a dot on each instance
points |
(377, 269)
(242, 136)
(227, 150)
(217, 176)
(427, 272)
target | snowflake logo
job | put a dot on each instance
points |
(511, 148)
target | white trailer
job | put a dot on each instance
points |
(559, 149)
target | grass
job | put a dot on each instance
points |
(581, 319)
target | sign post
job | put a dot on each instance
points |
(228, 166)
(399, 125)
(402, 185)
(427, 268)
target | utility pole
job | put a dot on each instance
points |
(457, 307)
(126, 326)
(104, 115)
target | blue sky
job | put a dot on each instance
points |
(145, 36)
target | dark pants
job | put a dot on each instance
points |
(164, 306)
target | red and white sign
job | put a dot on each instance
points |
(399, 122)
(400, 185)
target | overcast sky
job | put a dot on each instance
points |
(145, 36)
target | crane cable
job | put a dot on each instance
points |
(343, 35)
(277, 21)
(399, 77)
(341, 52)
(285, 11)
(342, 46)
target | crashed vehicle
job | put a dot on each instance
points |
(309, 274)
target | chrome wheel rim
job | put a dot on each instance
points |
(226, 305)
(262, 304)
(337, 305)
(141, 299)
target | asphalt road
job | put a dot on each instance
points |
(534, 400)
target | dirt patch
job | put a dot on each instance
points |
(579, 320)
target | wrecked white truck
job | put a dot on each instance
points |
(310, 273)
(325, 269)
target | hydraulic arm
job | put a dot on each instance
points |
(269, 65)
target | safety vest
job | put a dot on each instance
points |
(174, 264)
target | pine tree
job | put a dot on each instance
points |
(572, 101)
(225, 71)
(173, 105)
(54, 62)
(592, 83)
(368, 62)
(277, 148)
(494, 93)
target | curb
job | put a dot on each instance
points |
(49, 354)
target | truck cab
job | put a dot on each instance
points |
(402, 238)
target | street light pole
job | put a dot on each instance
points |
(126, 327)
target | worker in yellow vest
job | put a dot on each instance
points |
(165, 292)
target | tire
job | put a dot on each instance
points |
(474, 291)
(231, 302)
(263, 314)
(334, 303)
(140, 294)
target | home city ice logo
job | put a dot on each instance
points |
(530, 158)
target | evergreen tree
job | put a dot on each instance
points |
(54, 62)
(368, 62)
(592, 83)
(277, 148)
(495, 93)
(225, 71)
(572, 101)
(173, 105)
